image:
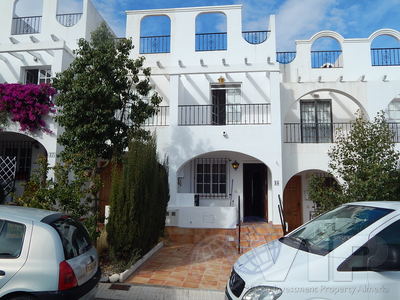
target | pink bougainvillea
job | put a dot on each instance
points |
(27, 104)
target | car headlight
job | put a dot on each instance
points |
(263, 293)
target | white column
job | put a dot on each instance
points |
(174, 85)
(276, 168)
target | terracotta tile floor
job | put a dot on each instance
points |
(205, 265)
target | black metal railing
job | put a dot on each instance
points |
(160, 118)
(22, 150)
(395, 128)
(327, 59)
(211, 41)
(27, 25)
(285, 57)
(385, 56)
(255, 37)
(314, 132)
(225, 114)
(325, 132)
(155, 44)
(68, 20)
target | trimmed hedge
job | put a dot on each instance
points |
(139, 197)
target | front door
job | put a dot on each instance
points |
(292, 208)
(255, 191)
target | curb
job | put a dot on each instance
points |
(127, 273)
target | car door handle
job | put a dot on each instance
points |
(2, 273)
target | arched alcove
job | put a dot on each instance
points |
(155, 34)
(319, 115)
(385, 51)
(27, 17)
(298, 208)
(69, 12)
(211, 32)
(326, 52)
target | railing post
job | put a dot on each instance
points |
(239, 225)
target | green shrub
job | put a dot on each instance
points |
(139, 198)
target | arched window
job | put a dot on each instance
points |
(385, 51)
(69, 12)
(394, 110)
(326, 52)
(27, 17)
(155, 34)
(211, 32)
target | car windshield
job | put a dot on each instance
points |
(330, 230)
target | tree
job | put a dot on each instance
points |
(365, 162)
(104, 97)
(139, 200)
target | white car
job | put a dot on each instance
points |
(352, 252)
(45, 255)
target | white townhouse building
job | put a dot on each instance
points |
(33, 48)
(243, 125)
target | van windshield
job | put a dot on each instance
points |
(330, 230)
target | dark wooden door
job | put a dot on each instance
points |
(219, 107)
(292, 208)
(255, 190)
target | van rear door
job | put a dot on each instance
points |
(14, 247)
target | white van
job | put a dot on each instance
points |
(352, 252)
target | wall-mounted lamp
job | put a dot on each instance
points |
(221, 80)
(235, 165)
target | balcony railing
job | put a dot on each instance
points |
(285, 57)
(326, 59)
(160, 118)
(27, 25)
(69, 20)
(225, 114)
(385, 56)
(325, 132)
(211, 41)
(155, 44)
(255, 37)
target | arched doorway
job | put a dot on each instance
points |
(297, 208)
(23, 151)
(223, 179)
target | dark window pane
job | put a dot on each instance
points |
(74, 237)
(199, 188)
(11, 239)
(207, 178)
(207, 168)
(207, 189)
(215, 178)
(199, 178)
(222, 188)
(215, 188)
(199, 168)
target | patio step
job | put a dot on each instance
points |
(256, 234)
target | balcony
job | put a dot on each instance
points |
(327, 59)
(224, 114)
(160, 118)
(26, 25)
(324, 132)
(385, 56)
(155, 44)
(211, 41)
(68, 20)
(285, 57)
(255, 37)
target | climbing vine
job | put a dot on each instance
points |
(26, 104)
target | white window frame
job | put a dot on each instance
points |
(44, 74)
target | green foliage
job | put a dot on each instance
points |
(365, 161)
(65, 193)
(3, 119)
(139, 200)
(325, 192)
(101, 95)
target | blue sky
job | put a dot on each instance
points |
(296, 19)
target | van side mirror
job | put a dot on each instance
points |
(391, 262)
